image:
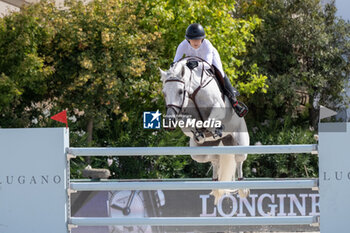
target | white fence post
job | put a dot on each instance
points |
(334, 175)
(33, 180)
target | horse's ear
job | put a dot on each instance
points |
(163, 74)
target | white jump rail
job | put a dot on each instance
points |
(195, 221)
(141, 151)
(194, 185)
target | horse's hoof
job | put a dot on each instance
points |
(199, 139)
(218, 132)
(243, 193)
(217, 195)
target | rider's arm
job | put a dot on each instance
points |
(180, 51)
(217, 61)
(206, 52)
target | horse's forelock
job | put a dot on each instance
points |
(178, 70)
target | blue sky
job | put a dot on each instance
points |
(343, 7)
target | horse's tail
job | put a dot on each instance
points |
(226, 172)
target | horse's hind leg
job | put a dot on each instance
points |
(215, 165)
(214, 159)
(226, 172)
(239, 159)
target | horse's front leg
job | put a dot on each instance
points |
(217, 114)
(214, 159)
(198, 136)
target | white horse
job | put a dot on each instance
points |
(195, 92)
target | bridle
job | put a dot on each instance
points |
(174, 106)
(192, 96)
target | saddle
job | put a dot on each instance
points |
(219, 79)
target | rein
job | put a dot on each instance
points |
(195, 92)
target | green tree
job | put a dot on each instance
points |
(24, 73)
(281, 165)
(98, 60)
(105, 57)
(228, 34)
(303, 48)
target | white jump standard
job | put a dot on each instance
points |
(35, 186)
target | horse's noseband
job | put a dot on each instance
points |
(174, 106)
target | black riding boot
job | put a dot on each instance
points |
(240, 108)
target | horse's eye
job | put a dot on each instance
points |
(181, 92)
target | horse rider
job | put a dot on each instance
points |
(195, 44)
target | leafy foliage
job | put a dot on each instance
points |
(304, 50)
(105, 56)
(282, 132)
(24, 73)
(229, 35)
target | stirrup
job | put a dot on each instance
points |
(243, 109)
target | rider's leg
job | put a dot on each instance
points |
(240, 108)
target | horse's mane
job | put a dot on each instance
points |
(177, 70)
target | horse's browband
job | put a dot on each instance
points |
(174, 80)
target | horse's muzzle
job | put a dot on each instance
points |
(170, 119)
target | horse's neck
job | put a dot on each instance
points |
(193, 81)
(210, 95)
(197, 79)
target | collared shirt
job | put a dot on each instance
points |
(206, 51)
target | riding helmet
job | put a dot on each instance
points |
(195, 32)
